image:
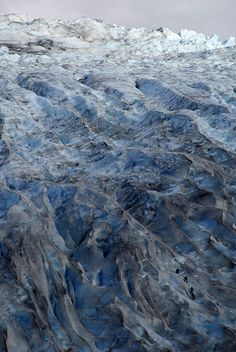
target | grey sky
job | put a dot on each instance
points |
(207, 16)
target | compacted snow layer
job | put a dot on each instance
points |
(118, 189)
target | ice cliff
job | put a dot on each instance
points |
(117, 188)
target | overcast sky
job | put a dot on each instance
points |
(207, 16)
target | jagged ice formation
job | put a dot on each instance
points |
(118, 188)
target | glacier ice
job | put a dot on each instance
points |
(78, 33)
(118, 188)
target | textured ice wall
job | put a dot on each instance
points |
(117, 191)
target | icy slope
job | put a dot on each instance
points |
(118, 189)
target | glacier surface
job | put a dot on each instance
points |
(118, 188)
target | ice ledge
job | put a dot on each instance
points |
(83, 32)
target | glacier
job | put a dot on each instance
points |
(118, 188)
